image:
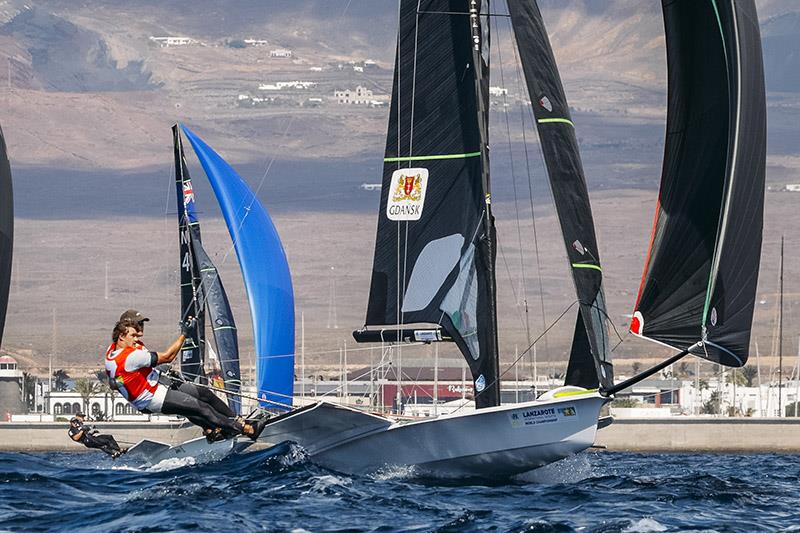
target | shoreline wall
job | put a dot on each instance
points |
(701, 434)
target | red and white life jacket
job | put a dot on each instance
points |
(137, 386)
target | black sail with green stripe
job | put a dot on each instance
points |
(590, 362)
(434, 259)
(701, 273)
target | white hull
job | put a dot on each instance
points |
(495, 442)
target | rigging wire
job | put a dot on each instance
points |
(523, 90)
(530, 346)
(526, 322)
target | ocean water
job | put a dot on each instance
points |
(280, 490)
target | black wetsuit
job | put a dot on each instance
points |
(92, 439)
(201, 407)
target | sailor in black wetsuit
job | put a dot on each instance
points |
(91, 437)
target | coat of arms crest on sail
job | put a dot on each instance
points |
(407, 194)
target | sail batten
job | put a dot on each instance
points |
(701, 271)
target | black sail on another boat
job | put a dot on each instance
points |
(6, 231)
(700, 277)
(193, 348)
(590, 363)
(433, 260)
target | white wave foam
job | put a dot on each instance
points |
(172, 463)
(323, 483)
(296, 454)
(394, 472)
(645, 525)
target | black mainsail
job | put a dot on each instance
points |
(202, 292)
(699, 283)
(590, 363)
(6, 231)
(188, 231)
(434, 252)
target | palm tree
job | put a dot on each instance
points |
(749, 373)
(87, 388)
(60, 378)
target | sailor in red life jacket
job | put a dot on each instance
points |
(133, 370)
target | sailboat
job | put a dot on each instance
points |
(433, 277)
(433, 272)
(269, 288)
(6, 231)
(202, 291)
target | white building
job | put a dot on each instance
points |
(255, 42)
(10, 387)
(114, 406)
(172, 41)
(280, 53)
(284, 85)
(358, 96)
(793, 187)
(498, 91)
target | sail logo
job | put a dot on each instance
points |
(480, 383)
(407, 194)
(188, 193)
(545, 103)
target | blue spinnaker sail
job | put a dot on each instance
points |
(265, 271)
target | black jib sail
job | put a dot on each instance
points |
(6, 231)
(434, 259)
(223, 327)
(590, 362)
(699, 282)
(188, 231)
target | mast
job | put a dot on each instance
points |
(780, 337)
(480, 60)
